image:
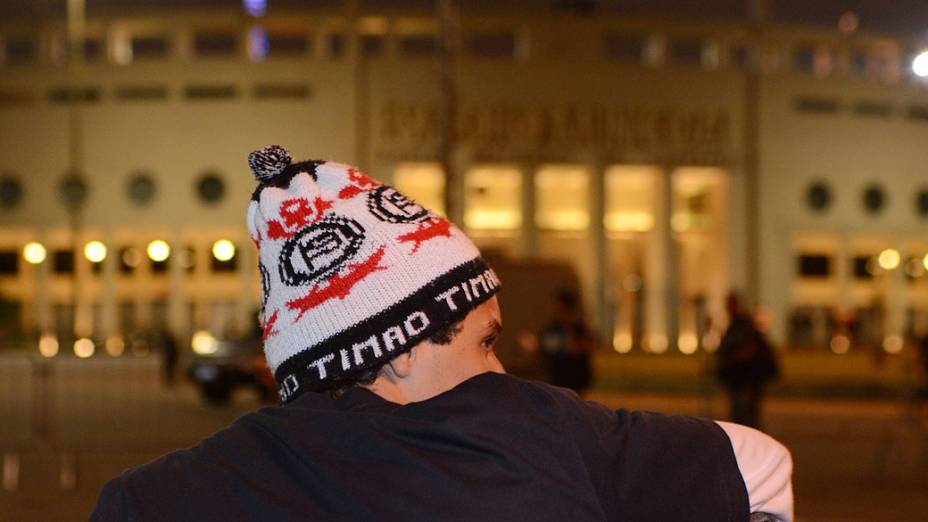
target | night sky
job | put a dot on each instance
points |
(905, 18)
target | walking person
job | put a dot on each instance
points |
(745, 363)
(380, 321)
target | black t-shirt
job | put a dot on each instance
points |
(493, 448)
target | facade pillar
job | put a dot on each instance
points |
(661, 279)
(599, 253)
(108, 310)
(178, 320)
(529, 236)
(845, 281)
(43, 302)
(894, 326)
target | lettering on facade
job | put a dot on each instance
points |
(410, 130)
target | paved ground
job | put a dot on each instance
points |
(67, 428)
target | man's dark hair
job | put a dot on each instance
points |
(443, 336)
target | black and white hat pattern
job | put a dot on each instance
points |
(353, 272)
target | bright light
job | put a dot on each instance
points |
(840, 344)
(83, 347)
(889, 259)
(925, 261)
(256, 8)
(203, 343)
(258, 44)
(920, 64)
(223, 250)
(34, 253)
(158, 250)
(95, 251)
(115, 346)
(892, 343)
(48, 345)
(657, 343)
(622, 342)
(688, 343)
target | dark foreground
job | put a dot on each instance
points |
(65, 432)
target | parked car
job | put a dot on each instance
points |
(219, 367)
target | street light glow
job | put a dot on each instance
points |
(95, 251)
(158, 250)
(889, 259)
(34, 253)
(83, 348)
(223, 250)
(48, 345)
(920, 64)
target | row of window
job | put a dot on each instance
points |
(652, 49)
(141, 189)
(154, 92)
(862, 267)
(129, 260)
(873, 198)
(863, 108)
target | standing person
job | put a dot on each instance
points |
(380, 323)
(745, 363)
(168, 357)
(567, 344)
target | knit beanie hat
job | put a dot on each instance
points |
(353, 272)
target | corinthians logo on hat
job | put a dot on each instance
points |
(353, 272)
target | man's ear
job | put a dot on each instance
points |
(400, 367)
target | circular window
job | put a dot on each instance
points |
(921, 203)
(11, 192)
(141, 188)
(73, 190)
(874, 199)
(818, 196)
(211, 188)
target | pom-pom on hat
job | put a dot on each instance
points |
(353, 272)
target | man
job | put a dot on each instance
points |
(380, 321)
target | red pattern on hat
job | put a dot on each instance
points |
(295, 214)
(268, 327)
(435, 227)
(358, 183)
(338, 285)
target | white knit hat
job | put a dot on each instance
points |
(354, 273)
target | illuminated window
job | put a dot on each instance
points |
(493, 198)
(629, 198)
(694, 190)
(562, 195)
(423, 182)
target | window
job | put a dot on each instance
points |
(921, 202)
(210, 92)
(812, 104)
(804, 59)
(624, 47)
(150, 47)
(63, 262)
(423, 182)
(874, 199)
(20, 51)
(814, 265)
(141, 188)
(141, 92)
(335, 44)
(11, 191)
(287, 44)
(212, 45)
(562, 198)
(818, 196)
(9, 262)
(873, 108)
(918, 113)
(94, 49)
(418, 45)
(72, 190)
(630, 198)
(211, 188)
(687, 52)
(372, 45)
(282, 91)
(74, 95)
(229, 265)
(493, 198)
(495, 44)
(864, 267)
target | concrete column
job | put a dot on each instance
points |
(660, 271)
(844, 278)
(108, 306)
(178, 320)
(43, 302)
(599, 253)
(894, 327)
(529, 237)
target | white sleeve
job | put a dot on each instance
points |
(766, 467)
